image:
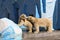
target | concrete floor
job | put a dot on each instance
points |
(55, 35)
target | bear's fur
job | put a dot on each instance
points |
(23, 21)
(40, 22)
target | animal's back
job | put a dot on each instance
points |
(44, 21)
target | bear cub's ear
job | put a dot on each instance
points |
(24, 20)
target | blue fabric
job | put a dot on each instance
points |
(44, 6)
(16, 11)
(29, 7)
(13, 9)
(56, 16)
(8, 10)
(38, 4)
(9, 33)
